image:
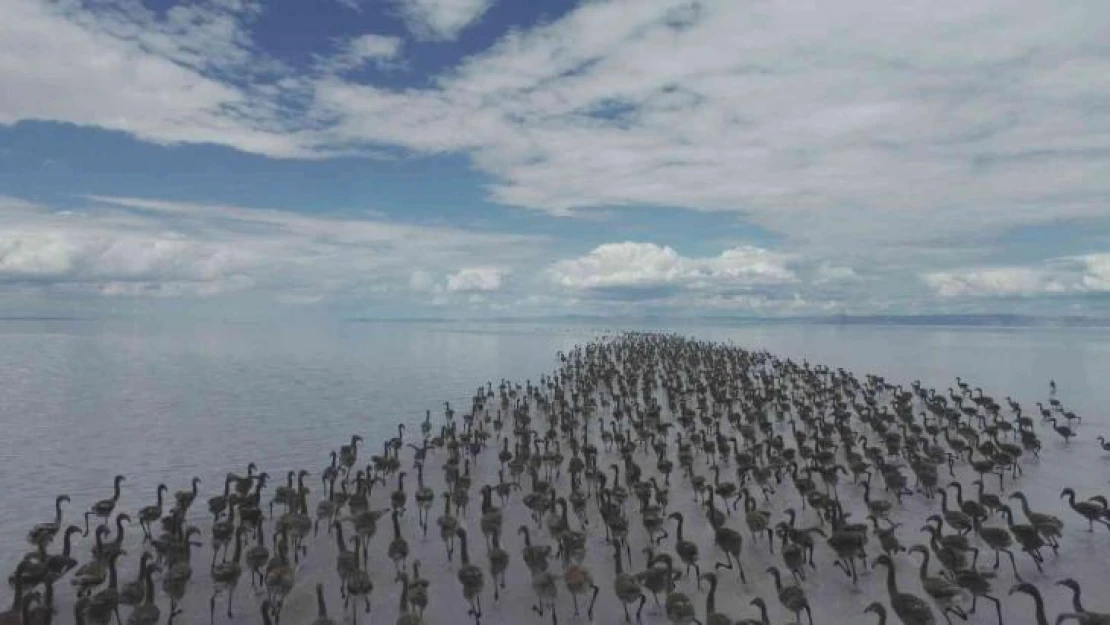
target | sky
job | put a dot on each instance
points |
(547, 157)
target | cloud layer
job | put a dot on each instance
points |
(1074, 275)
(889, 146)
(130, 246)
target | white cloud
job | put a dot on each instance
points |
(475, 279)
(631, 264)
(885, 133)
(123, 68)
(358, 51)
(758, 108)
(1078, 274)
(716, 106)
(140, 247)
(993, 281)
(441, 19)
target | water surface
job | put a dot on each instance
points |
(83, 400)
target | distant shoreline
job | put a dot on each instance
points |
(1007, 321)
(931, 321)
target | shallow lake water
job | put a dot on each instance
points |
(82, 400)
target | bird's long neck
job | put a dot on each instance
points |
(113, 576)
(763, 614)
(17, 600)
(711, 598)
(404, 594)
(339, 542)
(1041, 618)
(891, 581)
(148, 586)
(924, 570)
(465, 553)
(67, 544)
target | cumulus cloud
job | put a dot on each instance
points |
(1078, 274)
(475, 279)
(631, 265)
(139, 247)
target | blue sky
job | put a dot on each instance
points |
(497, 157)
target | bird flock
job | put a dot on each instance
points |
(649, 478)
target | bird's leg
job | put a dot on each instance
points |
(590, 610)
(212, 609)
(574, 597)
(643, 599)
(230, 599)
